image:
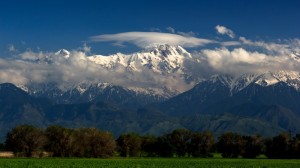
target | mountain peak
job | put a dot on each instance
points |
(167, 49)
(9, 91)
(224, 79)
(63, 52)
(7, 85)
(267, 79)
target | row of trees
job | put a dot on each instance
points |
(179, 143)
(58, 141)
(282, 146)
(26, 140)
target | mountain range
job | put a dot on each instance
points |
(169, 94)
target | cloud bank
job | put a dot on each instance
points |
(240, 61)
(70, 71)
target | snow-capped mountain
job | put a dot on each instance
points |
(161, 63)
(223, 88)
(161, 59)
(63, 52)
(155, 74)
(93, 92)
(236, 84)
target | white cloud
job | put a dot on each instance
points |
(171, 29)
(239, 61)
(155, 29)
(225, 31)
(230, 43)
(187, 34)
(30, 55)
(271, 47)
(144, 39)
(12, 48)
(86, 49)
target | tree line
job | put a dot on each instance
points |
(57, 141)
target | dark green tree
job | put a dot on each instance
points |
(148, 146)
(295, 147)
(80, 144)
(2, 146)
(104, 144)
(201, 144)
(91, 142)
(59, 141)
(278, 146)
(251, 146)
(24, 140)
(229, 145)
(129, 145)
(164, 146)
(181, 139)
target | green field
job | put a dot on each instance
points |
(147, 163)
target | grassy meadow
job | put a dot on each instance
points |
(146, 163)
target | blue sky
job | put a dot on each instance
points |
(49, 25)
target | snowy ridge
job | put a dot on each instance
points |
(63, 52)
(236, 84)
(291, 78)
(23, 87)
(166, 93)
(160, 59)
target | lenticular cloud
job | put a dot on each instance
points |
(144, 39)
